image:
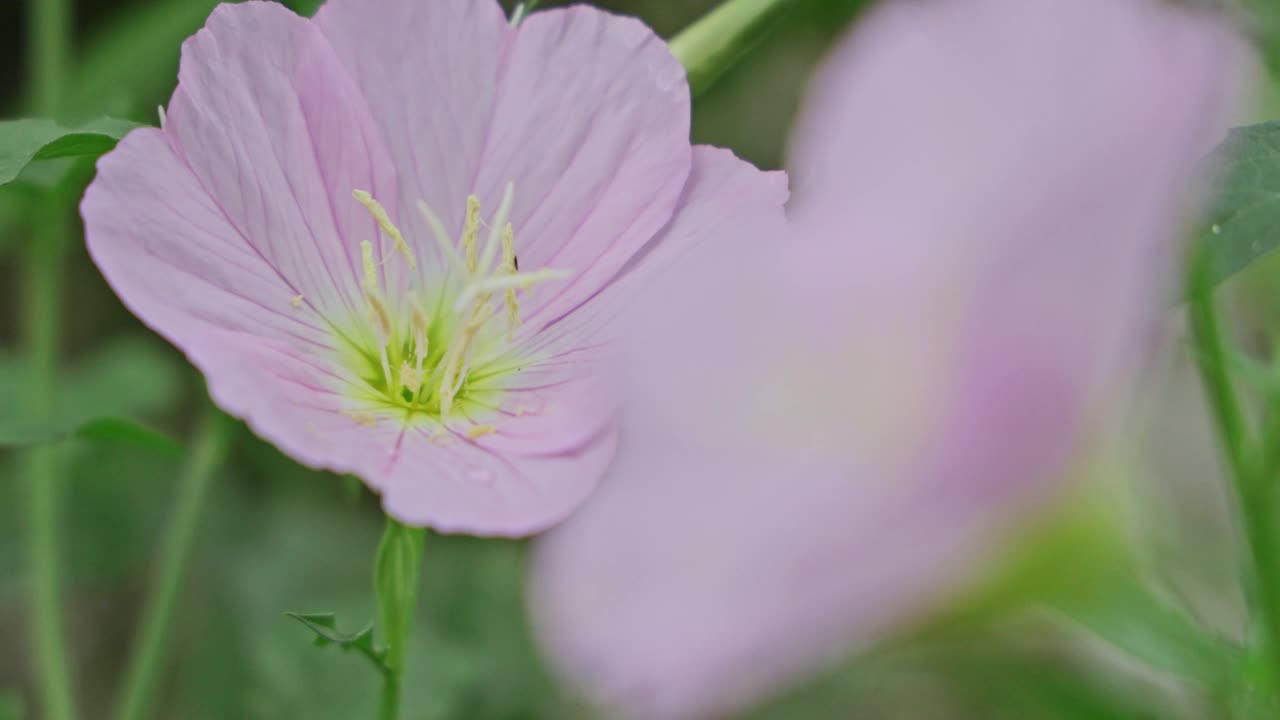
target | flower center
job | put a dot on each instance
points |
(429, 350)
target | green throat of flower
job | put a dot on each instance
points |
(431, 352)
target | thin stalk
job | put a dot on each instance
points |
(49, 31)
(207, 453)
(715, 42)
(1254, 495)
(522, 11)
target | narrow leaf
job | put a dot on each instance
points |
(1243, 222)
(107, 430)
(25, 141)
(325, 627)
(122, 431)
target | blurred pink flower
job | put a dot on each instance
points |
(826, 435)
(342, 222)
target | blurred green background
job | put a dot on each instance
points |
(277, 537)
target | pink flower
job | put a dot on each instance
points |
(823, 439)
(390, 236)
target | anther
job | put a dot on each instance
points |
(410, 377)
(479, 431)
(370, 267)
(384, 221)
(447, 250)
(381, 315)
(296, 300)
(519, 281)
(455, 371)
(471, 232)
(509, 266)
(497, 227)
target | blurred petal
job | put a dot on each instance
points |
(828, 438)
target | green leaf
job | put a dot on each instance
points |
(28, 140)
(1161, 635)
(713, 44)
(1243, 222)
(325, 627)
(109, 430)
(122, 431)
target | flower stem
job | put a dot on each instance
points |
(207, 453)
(395, 580)
(714, 43)
(1255, 497)
(49, 30)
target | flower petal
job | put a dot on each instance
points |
(586, 113)
(458, 485)
(430, 72)
(278, 135)
(169, 252)
(970, 173)
(592, 126)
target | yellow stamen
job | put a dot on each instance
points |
(361, 417)
(410, 377)
(420, 323)
(296, 300)
(384, 221)
(381, 315)
(509, 266)
(499, 222)
(370, 267)
(480, 431)
(458, 352)
(522, 280)
(447, 250)
(471, 232)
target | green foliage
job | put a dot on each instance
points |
(1267, 21)
(10, 706)
(111, 430)
(1157, 633)
(715, 43)
(325, 627)
(101, 399)
(25, 141)
(1243, 222)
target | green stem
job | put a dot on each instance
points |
(522, 11)
(1255, 498)
(207, 453)
(714, 43)
(395, 580)
(389, 699)
(50, 56)
(50, 30)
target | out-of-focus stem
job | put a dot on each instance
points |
(1254, 493)
(49, 30)
(207, 453)
(713, 44)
